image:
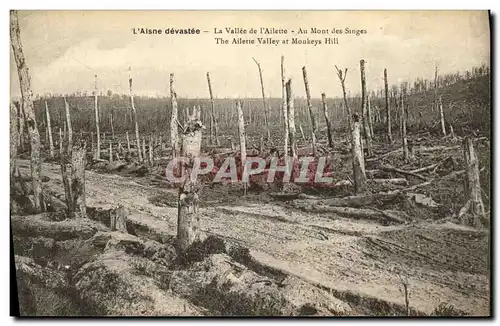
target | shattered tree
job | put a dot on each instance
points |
(188, 224)
(311, 114)
(266, 113)
(291, 118)
(387, 108)
(132, 104)
(284, 108)
(364, 111)
(213, 121)
(327, 120)
(474, 202)
(28, 110)
(96, 110)
(174, 134)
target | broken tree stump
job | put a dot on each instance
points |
(474, 202)
(78, 161)
(118, 219)
(358, 162)
(188, 223)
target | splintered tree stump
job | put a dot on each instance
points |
(474, 201)
(188, 227)
(118, 219)
(78, 161)
(358, 163)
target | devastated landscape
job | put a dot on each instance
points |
(400, 228)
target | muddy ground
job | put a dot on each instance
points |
(361, 263)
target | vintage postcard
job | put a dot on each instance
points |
(250, 163)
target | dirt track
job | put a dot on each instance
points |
(442, 262)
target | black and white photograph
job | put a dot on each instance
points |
(250, 163)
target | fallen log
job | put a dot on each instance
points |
(389, 168)
(351, 201)
(41, 225)
(396, 181)
(426, 168)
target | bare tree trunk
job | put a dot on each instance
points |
(327, 120)
(213, 121)
(128, 142)
(302, 134)
(92, 143)
(188, 222)
(150, 150)
(28, 109)
(387, 109)
(49, 131)
(70, 128)
(21, 124)
(266, 114)
(406, 155)
(111, 123)
(291, 118)
(311, 114)
(441, 117)
(241, 133)
(144, 153)
(14, 138)
(358, 163)
(472, 184)
(342, 76)
(78, 161)
(174, 136)
(64, 157)
(435, 89)
(284, 107)
(452, 133)
(364, 111)
(96, 111)
(137, 138)
(110, 151)
(61, 150)
(370, 116)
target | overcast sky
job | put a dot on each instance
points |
(65, 49)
